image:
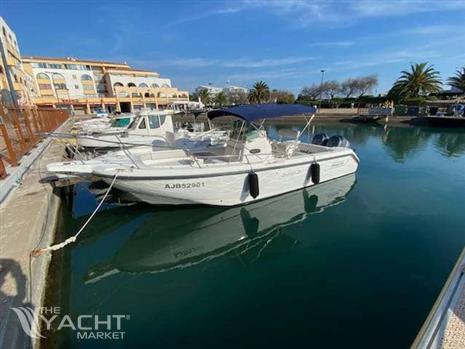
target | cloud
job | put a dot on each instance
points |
(261, 63)
(382, 58)
(205, 14)
(198, 62)
(332, 44)
(335, 12)
(436, 29)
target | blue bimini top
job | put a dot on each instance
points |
(254, 112)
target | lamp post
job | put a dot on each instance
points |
(321, 87)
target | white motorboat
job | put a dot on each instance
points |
(118, 123)
(153, 128)
(251, 167)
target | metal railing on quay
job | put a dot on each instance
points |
(22, 128)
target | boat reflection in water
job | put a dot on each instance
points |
(180, 238)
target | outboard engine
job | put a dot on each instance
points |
(320, 139)
(337, 141)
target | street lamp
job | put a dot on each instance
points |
(321, 86)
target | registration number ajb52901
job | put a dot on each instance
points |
(185, 185)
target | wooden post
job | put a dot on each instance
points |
(11, 152)
(3, 173)
(19, 132)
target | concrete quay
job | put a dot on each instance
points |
(28, 218)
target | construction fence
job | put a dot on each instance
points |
(22, 128)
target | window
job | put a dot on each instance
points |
(143, 84)
(86, 77)
(54, 66)
(153, 121)
(45, 86)
(74, 76)
(88, 87)
(165, 85)
(58, 77)
(4, 31)
(156, 121)
(131, 84)
(42, 76)
(60, 86)
(118, 84)
(142, 124)
(76, 87)
(155, 85)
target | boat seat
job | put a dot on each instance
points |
(284, 149)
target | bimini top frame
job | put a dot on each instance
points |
(254, 112)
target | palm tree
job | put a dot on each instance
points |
(204, 96)
(220, 99)
(419, 81)
(259, 93)
(458, 81)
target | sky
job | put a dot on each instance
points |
(285, 43)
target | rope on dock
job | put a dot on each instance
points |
(38, 251)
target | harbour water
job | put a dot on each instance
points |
(355, 262)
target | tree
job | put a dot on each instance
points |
(236, 97)
(220, 99)
(358, 86)
(204, 96)
(348, 87)
(366, 84)
(260, 92)
(282, 97)
(310, 92)
(458, 81)
(421, 80)
(194, 96)
(331, 88)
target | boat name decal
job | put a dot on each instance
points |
(185, 185)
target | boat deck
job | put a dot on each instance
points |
(445, 326)
(454, 333)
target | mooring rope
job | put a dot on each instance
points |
(38, 251)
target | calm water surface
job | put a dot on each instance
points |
(355, 263)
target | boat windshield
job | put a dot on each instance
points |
(120, 122)
(245, 131)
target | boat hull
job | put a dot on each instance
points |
(230, 189)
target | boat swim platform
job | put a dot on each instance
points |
(445, 326)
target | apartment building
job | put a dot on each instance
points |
(79, 84)
(213, 90)
(14, 83)
(90, 84)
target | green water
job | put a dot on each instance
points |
(354, 263)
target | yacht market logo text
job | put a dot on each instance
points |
(89, 326)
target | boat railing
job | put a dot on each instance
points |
(435, 325)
